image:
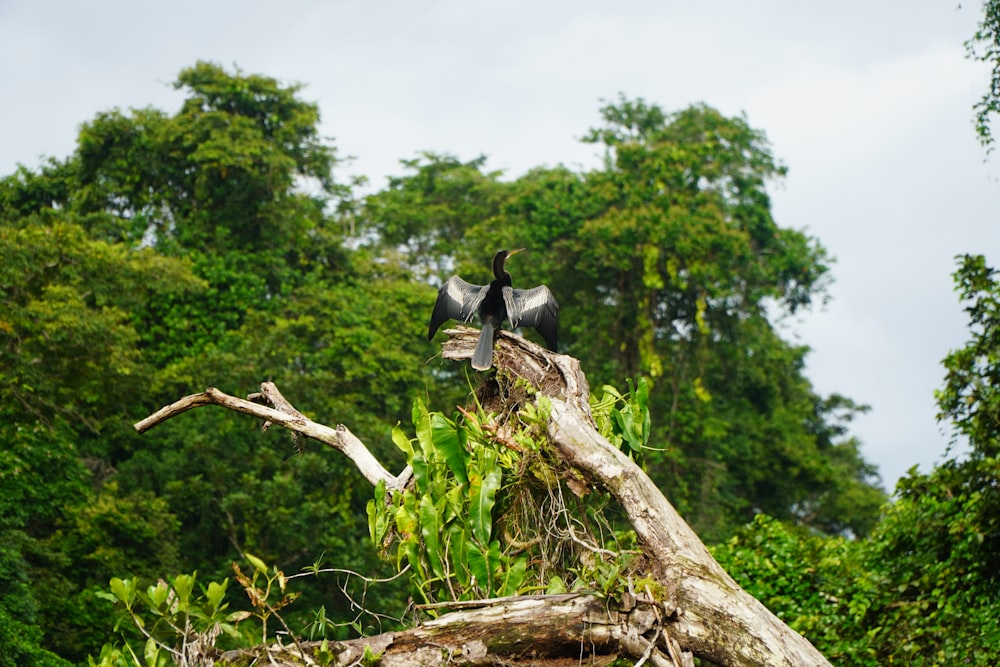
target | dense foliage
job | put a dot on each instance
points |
(213, 246)
(667, 264)
(923, 588)
(167, 254)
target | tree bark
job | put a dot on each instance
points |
(565, 629)
(705, 613)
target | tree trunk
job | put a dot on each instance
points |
(703, 612)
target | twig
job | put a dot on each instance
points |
(649, 648)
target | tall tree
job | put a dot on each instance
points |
(72, 366)
(668, 264)
(173, 250)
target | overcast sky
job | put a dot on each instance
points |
(867, 103)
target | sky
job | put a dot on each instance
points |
(868, 104)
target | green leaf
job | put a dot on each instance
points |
(430, 526)
(514, 576)
(420, 473)
(407, 522)
(411, 549)
(214, 595)
(152, 652)
(124, 590)
(624, 425)
(479, 566)
(457, 540)
(157, 596)
(422, 423)
(257, 563)
(402, 441)
(446, 440)
(183, 584)
(454, 503)
(483, 485)
(378, 515)
(556, 586)
(422, 456)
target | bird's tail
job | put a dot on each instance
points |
(482, 358)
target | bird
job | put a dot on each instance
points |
(494, 303)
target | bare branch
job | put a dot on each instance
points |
(339, 438)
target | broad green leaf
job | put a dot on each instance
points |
(454, 502)
(457, 541)
(482, 495)
(446, 440)
(421, 457)
(183, 584)
(556, 586)
(402, 441)
(420, 477)
(486, 564)
(157, 595)
(406, 519)
(214, 595)
(411, 549)
(514, 576)
(124, 590)
(624, 425)
(430, 523)
(479, 566)
(422, 424)
(642, 392)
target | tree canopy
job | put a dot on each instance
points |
(667, 264)
(172, 251)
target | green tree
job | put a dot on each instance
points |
(40, 475)
(67, 343)
(667, 264)
(71, 366)
(170, 252)
(239, 183)
(426, 214)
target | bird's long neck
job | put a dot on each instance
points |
(499, 272)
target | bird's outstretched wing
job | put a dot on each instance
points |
(535, 307)
(456, 300)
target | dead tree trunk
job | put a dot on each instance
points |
(705, 613)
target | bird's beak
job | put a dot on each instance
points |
(514, 252)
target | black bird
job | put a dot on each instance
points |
(496, 302)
